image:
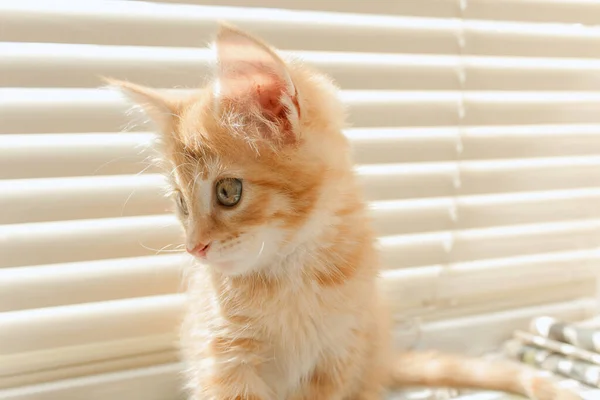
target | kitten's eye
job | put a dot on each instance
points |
(181, 203)
(229, 191)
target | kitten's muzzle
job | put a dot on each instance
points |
(200, 250)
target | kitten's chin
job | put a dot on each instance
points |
(230, 267)
(254, 253)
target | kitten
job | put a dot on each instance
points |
(285, 304)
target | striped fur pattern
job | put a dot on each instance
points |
(284, 304)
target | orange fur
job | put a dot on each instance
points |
(288, 305)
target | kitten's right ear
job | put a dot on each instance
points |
(160, 108)
(254, 78)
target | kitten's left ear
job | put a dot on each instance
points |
(252, 75)
(160, 108)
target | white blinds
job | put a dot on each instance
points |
(476, 129)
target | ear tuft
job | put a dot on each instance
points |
(159, 107)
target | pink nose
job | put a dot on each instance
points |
(200, 249)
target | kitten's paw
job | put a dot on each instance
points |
(541, 388)
(568, 396)
(565, 394)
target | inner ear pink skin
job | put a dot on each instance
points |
(253, 76)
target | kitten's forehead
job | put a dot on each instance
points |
(205, 134)
(196, 171)
(197, 180)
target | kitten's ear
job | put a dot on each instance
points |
(158, 107)
(251, 74)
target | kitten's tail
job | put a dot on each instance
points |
(434, 369)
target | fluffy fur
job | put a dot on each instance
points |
(285, 304)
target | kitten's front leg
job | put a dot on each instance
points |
(231, 371)
(330, 380)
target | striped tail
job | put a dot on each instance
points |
(434, 369)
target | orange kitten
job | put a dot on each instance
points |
(285, 304)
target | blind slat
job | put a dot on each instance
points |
(66, 241)
(67, 155)
(158, 383)
(77, 360)
(64, 155)
(559, 180)
(76, 110)
(153, 383)
(103, 322)
(567, 11)
(40, 286)
(29, 65)
(81, 198)
(498, 242)
(505, 301)
(391, 218)
(135, 23)
(52, 242)
(43, 64)
(457, 284)
(106, 323)
(183, 26)
(493, 38)
(469, 212)
(489, 329)
(82, 364)
(402, 181)
(62, 284)
(427, 144)
(437, 8)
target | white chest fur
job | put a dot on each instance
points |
(302, 327)
(298, 325)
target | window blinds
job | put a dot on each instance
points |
(476, 131)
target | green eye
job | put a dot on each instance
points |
(181, 203)
(229, 191)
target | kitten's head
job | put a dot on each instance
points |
(254, 158)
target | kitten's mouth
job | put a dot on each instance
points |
(200, 250)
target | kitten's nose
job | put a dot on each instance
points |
(200, 249)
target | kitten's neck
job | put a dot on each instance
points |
(342, 249)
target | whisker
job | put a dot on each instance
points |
(262, 247)
(164, 249)
(126, 202)
(146, 168)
